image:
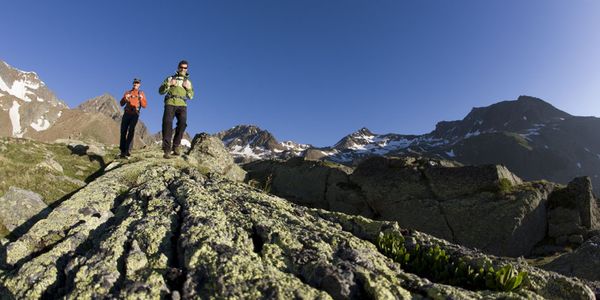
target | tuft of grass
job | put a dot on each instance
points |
(505, 186)
(3, 230)
(268, 184)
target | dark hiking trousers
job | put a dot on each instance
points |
(127, 131)
(171, 111)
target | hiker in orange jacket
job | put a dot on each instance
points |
(133, 100)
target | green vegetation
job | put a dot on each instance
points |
(3, 230)
(23, 166)
(268, 183)
(505, 186)
(435, 264)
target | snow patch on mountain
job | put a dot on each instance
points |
(15, 119)
(19, 88)
(474, 133)
(41, 124)
(245, 151)
(399, 144)
(292, 146)
(184, 142)
(532, 131)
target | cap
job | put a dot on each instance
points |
(136, 80)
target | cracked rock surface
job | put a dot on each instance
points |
(158, 229)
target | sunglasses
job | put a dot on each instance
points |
(184, 68)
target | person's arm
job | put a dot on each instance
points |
(189, 89)
(125, 99)
(143, 99)
(164, 87)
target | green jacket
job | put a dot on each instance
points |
(176, 95)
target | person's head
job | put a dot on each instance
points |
(136, 83)
(182, 67)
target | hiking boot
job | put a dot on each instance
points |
(122, 155)
(166, 155)
(176, 151)
(127, 154)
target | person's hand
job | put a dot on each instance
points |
(172, 82)
(127, 96)
(187, 84)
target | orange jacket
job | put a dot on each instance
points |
(136, 98)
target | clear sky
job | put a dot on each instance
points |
(313, 71)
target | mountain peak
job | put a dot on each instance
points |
(251, 135)
(530, 98)
(105, 104)
(513, 115)
(364, 131)
(360, 137)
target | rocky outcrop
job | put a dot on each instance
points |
(573, 212)
(208, 153)
(159, 228)
(584, 262)
(312, 183)
(18, 205)
(486, 207)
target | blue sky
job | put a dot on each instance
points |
(313, 71)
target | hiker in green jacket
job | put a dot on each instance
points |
(178, 89)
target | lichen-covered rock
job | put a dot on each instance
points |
(209, 153)
(155, 229)
(573, 211)
(51, 165)
(18, 205)
(584, 262)
(94, 150)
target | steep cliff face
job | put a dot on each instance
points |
(154, 228)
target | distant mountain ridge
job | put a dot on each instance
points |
(26, 104)
(528, 135)
(248, 142)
